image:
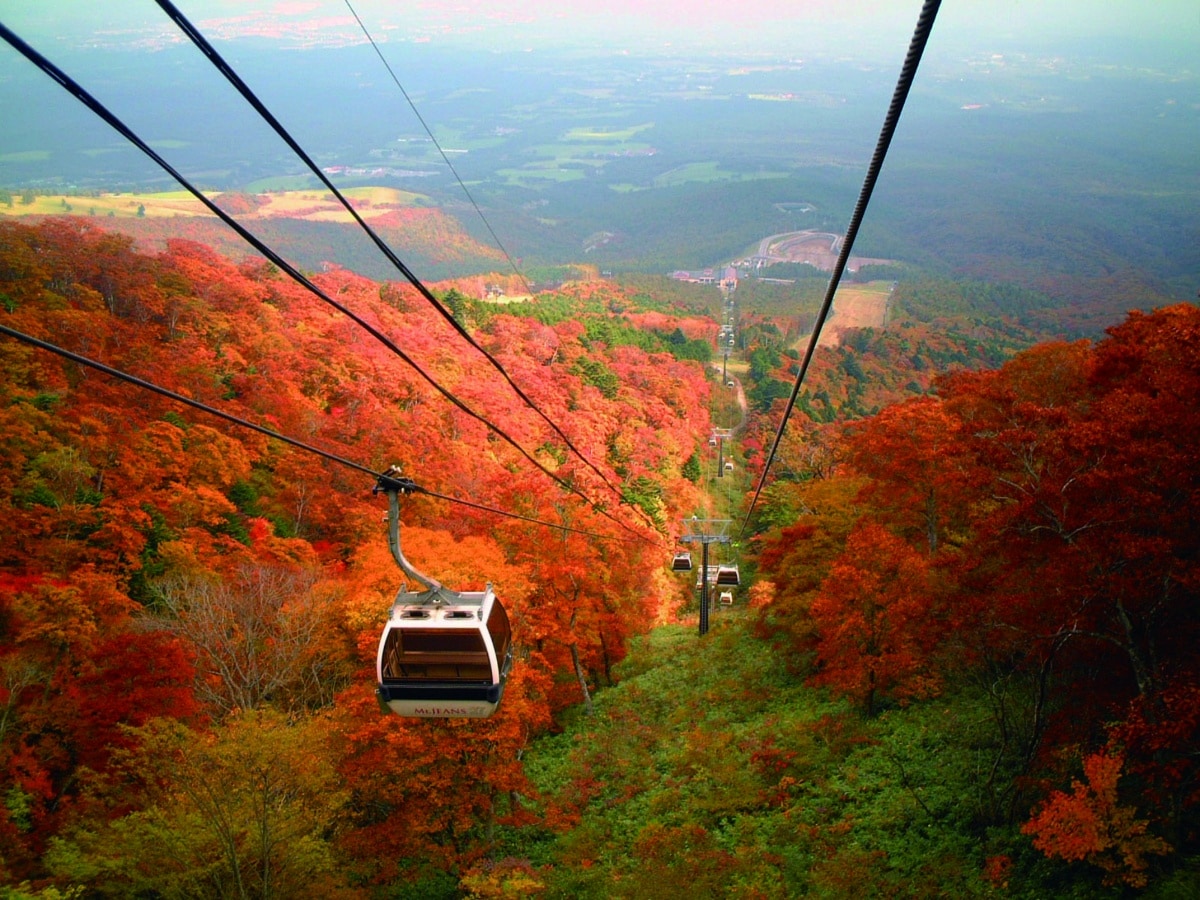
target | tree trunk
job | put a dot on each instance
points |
(579, 673)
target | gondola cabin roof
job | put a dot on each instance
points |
(444, 654)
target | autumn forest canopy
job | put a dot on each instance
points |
(961, 660)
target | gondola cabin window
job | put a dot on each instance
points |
(500, 631)
(428, 655)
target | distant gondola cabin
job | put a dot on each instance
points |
(728, 575)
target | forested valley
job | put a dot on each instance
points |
(961, 660)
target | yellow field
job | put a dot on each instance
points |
(317, 205)
(605, 134)
(175, 203)
(391, 196)
(292, 201)
(856, 306)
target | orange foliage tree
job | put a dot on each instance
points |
(1090, 824)
(876, 621)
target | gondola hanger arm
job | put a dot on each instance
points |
(393, 483)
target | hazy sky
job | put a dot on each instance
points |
(810, 26)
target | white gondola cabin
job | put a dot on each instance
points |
(682, 562)
(726, 598)
(443, 653)
(728, 575)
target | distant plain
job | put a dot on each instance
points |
(1063, 174)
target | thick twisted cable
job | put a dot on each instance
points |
(908, 73)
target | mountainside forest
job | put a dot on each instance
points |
(961, 660)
